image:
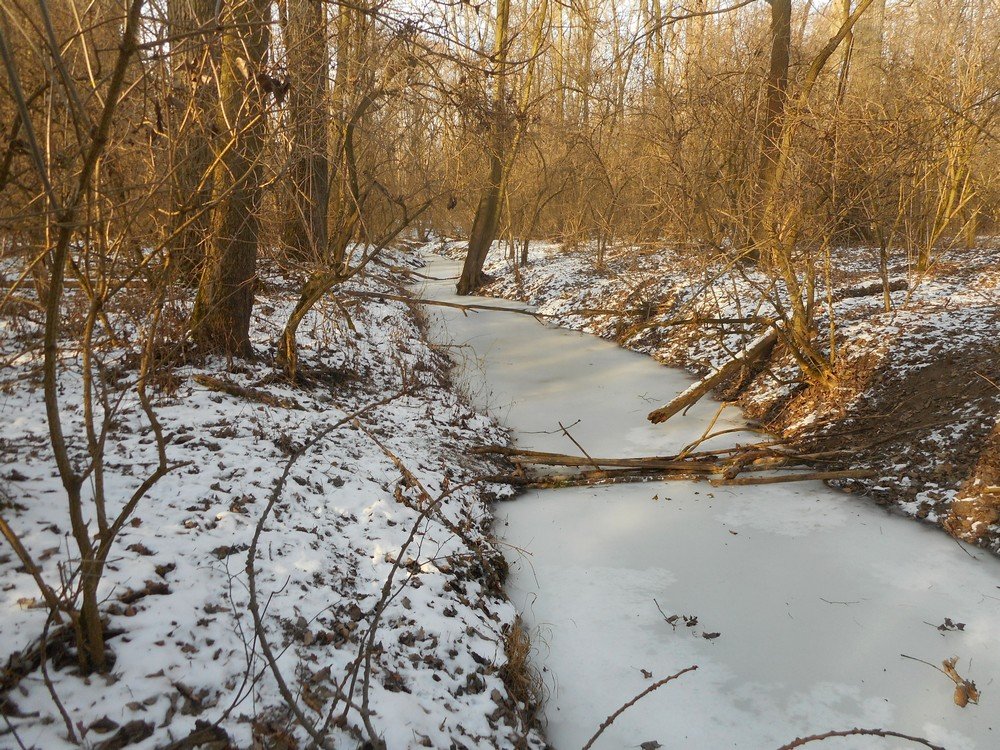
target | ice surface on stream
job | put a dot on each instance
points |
(815, 593)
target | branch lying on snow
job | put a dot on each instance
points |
(800, 741)
(251, 394)
(319, 737)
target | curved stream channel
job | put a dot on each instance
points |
(814, 593)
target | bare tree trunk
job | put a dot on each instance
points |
(774, 110)
(776, 232)
(194, 60)
(484, 228)
(869, 42)
(487, 219)
(658, 51)
(305, 228)
(345, 187)
(220, 323)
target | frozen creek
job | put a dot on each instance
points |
(815, 593)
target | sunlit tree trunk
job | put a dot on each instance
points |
(220, 322)
(777, 231)
(487, 218)
(657, 45)
(347, 112)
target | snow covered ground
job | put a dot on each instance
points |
(796, 602)
(337, 572)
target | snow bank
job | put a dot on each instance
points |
(176, 590)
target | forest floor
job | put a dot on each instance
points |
(917, 394)
(377, 576)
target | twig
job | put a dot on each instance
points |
(441, 303)
(706, 434)
(13, 730)
(800, 741)
(582, 449)
(934, 666)
(49, 684)
(265, 646)
(655, 686)
(317, 736)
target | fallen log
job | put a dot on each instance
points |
(800, 477)
(239, 391)
(745, 358)
(719, 459)
(721, 467)
(558, 481)
(663, 463)
(627, 476)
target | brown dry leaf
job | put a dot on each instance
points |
(961, 696)
(965, 690)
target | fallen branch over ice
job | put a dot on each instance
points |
(802, 477)
(800, 741)
(440, 303)
(725, 464)
(655, 686)
(744, 359)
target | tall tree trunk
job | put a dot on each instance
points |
(484, 226)
(774, 109)
(837, 208)
(347, 112)
(305, 228)
(193, 57)
(868, 46)
(220, 323)
(658, 46)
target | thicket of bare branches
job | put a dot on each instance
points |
(157, 153)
